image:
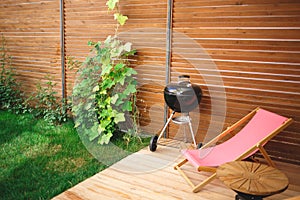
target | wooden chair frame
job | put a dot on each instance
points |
(257, 146)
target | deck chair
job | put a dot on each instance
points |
(261, 126)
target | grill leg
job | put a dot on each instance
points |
(164, 128)
(192, 132)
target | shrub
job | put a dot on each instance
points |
(11, 98)
(106, 87)
(47, 104)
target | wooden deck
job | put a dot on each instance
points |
(150, 175)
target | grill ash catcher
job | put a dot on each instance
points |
(181, 97)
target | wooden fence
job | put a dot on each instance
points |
(243, 54)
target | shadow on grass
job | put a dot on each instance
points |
(11, 126)
(44, 177)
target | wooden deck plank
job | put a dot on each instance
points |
(150, 175)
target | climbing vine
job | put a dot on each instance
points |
(106, 86)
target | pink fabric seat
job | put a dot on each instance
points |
(259, 127)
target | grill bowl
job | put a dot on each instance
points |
(182, 97)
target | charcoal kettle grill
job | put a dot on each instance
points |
(181, 97)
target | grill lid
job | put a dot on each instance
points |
(182, 96)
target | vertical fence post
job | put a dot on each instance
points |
(168, 51)
(62, 49)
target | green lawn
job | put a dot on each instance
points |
(40, 162)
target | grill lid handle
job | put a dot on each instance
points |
(184, 79)
(184, 76)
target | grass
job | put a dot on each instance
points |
(38, 161)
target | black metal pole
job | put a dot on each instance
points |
(62, 49)
(168, 51)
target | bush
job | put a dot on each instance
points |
(47, 104)
(106, 87)
(11, 98)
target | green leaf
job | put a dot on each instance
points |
(96, 88)
(92, 96)
(107, 100)
(88, 106)
(91, 43)
(116, 52)
(127, 46)
(130, 89)
(111, 4)
(103, 124)
(114, 43)
(120, 99)
(120, 117)
(114, 98)
(127, 106)
(130, 71)
(131, 53)
(121, 80)
(105, 138)
(103, 92)
(97, 46)
(120, 18)
(97, 68)
(106, 69)
(77, 124)
(93, 133)
(119, 66)
(108, 41)
(100, 129)
(106, 84)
